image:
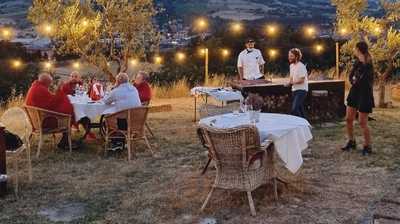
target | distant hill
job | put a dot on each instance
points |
(318, 11)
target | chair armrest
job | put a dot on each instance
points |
(259, 155)
(57, 114)
(266, 144)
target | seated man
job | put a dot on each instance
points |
(124, 96)
(143, 87)
(39, 96)
(74, 80)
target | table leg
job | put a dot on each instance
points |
(3, 167)
(195, 108)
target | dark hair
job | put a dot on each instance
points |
(362, 46)
(297, 53)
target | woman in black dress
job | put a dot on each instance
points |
(360, 98)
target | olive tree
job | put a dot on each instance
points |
(99, 31)
(381, 34)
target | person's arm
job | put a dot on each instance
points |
(261, 63)
(240, 67)
(109, 99)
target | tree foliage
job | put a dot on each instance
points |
(381, 34)
(100, 31)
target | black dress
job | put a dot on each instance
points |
(361, 95)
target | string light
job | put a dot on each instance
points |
(310, 31)
(225, 53)
(273, 53)
(48, 65)
(236, 27)
(158, 59)
(180, 56)
(16, 63)
(272, 29)
(319, 48)
(134, 61)
(76, 65)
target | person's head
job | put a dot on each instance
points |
(75, 76)
(295, 55)
(361, 52)
(140, 77)
(45, 78)
(122, 78)
(250, 43)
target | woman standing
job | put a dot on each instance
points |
(298, 81)
(360, 98)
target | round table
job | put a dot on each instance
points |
(290, 134)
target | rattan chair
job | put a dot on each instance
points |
(208, 110)
(16, 122)
(239, 160)
(135, 119)
(147, 103)
(37, 117)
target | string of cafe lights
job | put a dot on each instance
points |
(200, 26)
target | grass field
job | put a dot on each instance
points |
(331, 187)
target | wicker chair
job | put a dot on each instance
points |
(146, 104)
(16, 121)
(239, 159)
(208, 110)
(136, 119)
(38, 116)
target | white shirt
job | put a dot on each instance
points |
(298, 71)
(123, 97)
(251, 61)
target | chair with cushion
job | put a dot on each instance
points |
(135, 120)
(16, 122)
(239, 158)
(45, 122)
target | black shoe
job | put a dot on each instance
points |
(351, 144)
(367, 150)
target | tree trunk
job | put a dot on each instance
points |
(382, 93)
(382, 86)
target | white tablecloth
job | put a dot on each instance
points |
(290, 134)
(84, 107)
(218, 93)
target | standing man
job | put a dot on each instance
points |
(299, 82)
(250, 62)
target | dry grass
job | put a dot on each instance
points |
(332, 187)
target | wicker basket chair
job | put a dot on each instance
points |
(136, 119)
(37, 117)
(239, 159)
(16, 121)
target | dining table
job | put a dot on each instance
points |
(290, 134)
(84, 107)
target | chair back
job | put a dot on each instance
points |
(230, 147)
(136, 121)
(17, 122)
(135, 118)
(34, 117)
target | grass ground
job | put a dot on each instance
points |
(331, 187)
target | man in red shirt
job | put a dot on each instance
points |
(40, 96)
(74, 80)
(143, 87)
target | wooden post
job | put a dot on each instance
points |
(206, 66)
(3, 167)
(337, 60)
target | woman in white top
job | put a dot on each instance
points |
(298, 81)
